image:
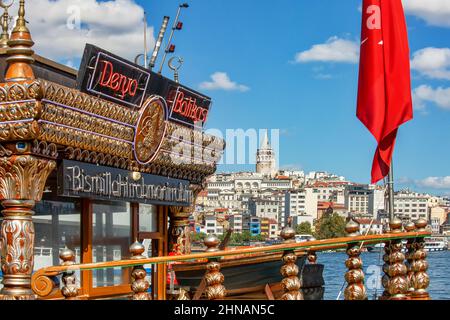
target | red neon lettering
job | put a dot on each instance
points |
(116, 81)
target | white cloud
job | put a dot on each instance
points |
(434, 12)
(435, 182)
(60, 28)
(221, 81)
(432, 62)
(425, 93)
(333, 50)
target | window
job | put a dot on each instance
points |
(111, 239)
(148, 218)
(57, 224)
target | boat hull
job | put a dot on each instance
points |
(248, 277)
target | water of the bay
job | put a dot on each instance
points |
(439, 263)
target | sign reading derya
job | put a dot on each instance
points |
(78, 179)
(115, 79)
(112, 78)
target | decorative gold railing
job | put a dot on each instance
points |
(405, 276)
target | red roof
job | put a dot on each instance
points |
(368, 221)
(282, 177)
(327, 204)
(203, 193)
(221, 210)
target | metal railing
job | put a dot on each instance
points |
(405, 276)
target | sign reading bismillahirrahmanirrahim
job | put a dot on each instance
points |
(78, 179)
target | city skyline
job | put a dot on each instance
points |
(292, 66)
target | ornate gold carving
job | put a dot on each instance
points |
(14, 131)
(42, 285)
(98, 158)
(410, 227)
(17, 244)
(19, 110)
(76, 99)
(398, 283)
(150, 130)
(87, 141)
(77, 120)
(70, 288)
(419, 266)
(385, 278)
(355, 289)
(138, 283)
(24, 177)
(180, 236)
(290, 282)
(213, 277)
(20, 54)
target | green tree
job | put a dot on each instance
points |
(304, 228)
(198, 237)
(330, 226)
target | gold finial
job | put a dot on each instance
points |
(19, 51)
(4, 38)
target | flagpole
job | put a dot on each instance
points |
(391, 191)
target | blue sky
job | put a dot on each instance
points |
(313, 104)
(252, 47)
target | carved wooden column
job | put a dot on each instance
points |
(70, 288)
(22, 181)
(214, 278)
(290, 283)
(179, 232)
(139, 284)
(421, 280)
(22, 175)
(355, 289)
(398, 283)
(410, 227)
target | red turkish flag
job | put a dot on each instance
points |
(384, 93)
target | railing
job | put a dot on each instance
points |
(402, 280)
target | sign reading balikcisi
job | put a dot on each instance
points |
(187, 107)
(112, 78)
(79, 179)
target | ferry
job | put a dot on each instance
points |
(436, 244)
(431, 244)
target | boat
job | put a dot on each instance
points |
(436, 244)
(431, 244)
(246, 277)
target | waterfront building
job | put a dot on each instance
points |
(273, 229)
(254, 225)
(370, 226)
(264, 208)
(411, 205)
(324, 207)
(357, 199)
(236, 222)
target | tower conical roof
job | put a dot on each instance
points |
(265, 142)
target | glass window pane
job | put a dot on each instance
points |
(57, 224)
(148, 218)
(111, 239)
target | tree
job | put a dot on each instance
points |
(304, 228)
(198, 237)
(330, 226)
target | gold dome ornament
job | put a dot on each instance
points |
(20, 54)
